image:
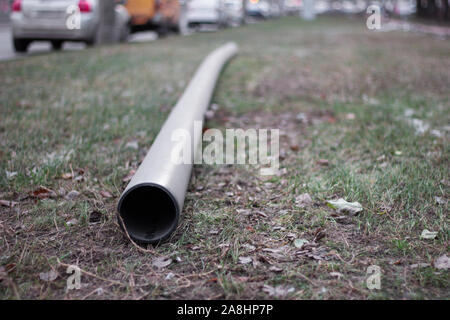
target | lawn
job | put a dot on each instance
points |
(363, 116)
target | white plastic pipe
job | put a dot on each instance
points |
(151, 204)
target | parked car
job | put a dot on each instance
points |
(234, 10)
(201, 12)
(158, 15)
(258, 8)
(48, 20)
(293, 6)
(275, 8)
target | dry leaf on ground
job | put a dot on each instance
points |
(304, 200)
(278, 291)
(161, 262)
(7, 203)
(426, 234)
(245, 260)
(105, 194)
(48, 276)
(342, 206)
(443, 262)
(43, 193)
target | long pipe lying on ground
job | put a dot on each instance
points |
(150, 206)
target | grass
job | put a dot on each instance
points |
(72, 114)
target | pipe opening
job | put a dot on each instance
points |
(149, 212)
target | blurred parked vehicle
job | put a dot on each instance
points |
(258, 8)
(321, 6)
(275, 8)
(200, 12)
(292, 6)
(401, 7)
(234, 11)
(348, 7)
(47, 20)
(158, 15)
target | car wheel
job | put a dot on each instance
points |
(21, 45)
(57, 44)
(94, 39)
(125, 33)
(162, 31)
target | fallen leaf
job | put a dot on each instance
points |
(426, 234)
(10, 267)
(67, 176)
(129, 176)
(311, 250)
(105, 194)
(302, 117)
(10, 175)
(244, 212)
(439, 200)
(304, 200)
(9, 204)
(323, 162)
(72, 195)
(336, 275)
(245, 260)
(170, 275)
(72, 222)
(319, 234)
(419, 265)
(43, 193)
(48, 276)
(262, 214)
(443, 262)
(279, 291)
(249, 247)
(275, 269)
(350, 116)
(132, 145)
(61, 192)
(161, 262)
(343, 206)
(298, 243)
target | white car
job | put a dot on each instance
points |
(258, 8)
(201, 12)
(234, 11)
(293, 6)
(61, 20)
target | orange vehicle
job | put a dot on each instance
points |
(159, 15)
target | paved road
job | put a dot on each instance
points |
(42, 47)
